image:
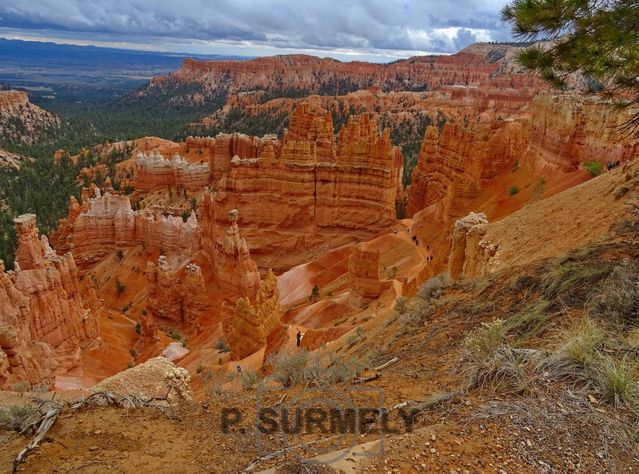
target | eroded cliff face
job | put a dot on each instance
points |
(107, 222)
(568, 130)
(175, 296)
(235, 271)
(20, 120)
(335, 191)
(363, 272)
(46, 318)
(473, 66)
(454, 165)
(154, 173)
(556, 135)
(253, 323)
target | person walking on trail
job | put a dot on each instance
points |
(299, 338)
(239, 370)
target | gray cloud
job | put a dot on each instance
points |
(347, 27)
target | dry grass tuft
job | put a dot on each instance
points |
(491, 363)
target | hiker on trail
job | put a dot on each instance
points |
(299, 338)
(239, 370)
(417, 242)
(414, 238)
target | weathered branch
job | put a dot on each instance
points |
(390, 362)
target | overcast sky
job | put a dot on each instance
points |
(377, 30)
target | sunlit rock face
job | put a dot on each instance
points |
(106, 222)
(46, 317)
(315, 191)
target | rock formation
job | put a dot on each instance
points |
(453, 165)
(20, 120)
(469, 252)
(154, 173)
(558, 134)
(334, 192)
(106, 222)
(46, 318)
(175, 296)
(568, 130)
(219, 151)
(236, 272)
(480, 65)
(253, 324)
(363, 272)
(164, 299)
(156, 377)
(13, 99)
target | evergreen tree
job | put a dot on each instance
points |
(599, 38)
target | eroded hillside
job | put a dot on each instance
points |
(491, 297)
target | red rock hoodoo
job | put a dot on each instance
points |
(47, 319)
(253, 324)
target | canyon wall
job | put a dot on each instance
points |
(477, 65)
(105, 223)
(557, 134)
(20, 120)
(154, 173)
(13, 99)
(314, 191)
(568, 130)
(253, 323)
(46, 317)
(175, 296)
(454, 164)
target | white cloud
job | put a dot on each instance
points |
(354, 27)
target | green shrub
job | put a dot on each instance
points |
(17, 417)
(415, 315)
(315, 294)
(21, 387)
(222, 346)
(288, 367)
(593, 167)
(578, 352)
(250, 379)
(138, 328)
(513, 190)
(432, 288)
(400, 305)
(119, 287)
(572, 279)
(174, 334)
(529, 322)
(483, 342)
